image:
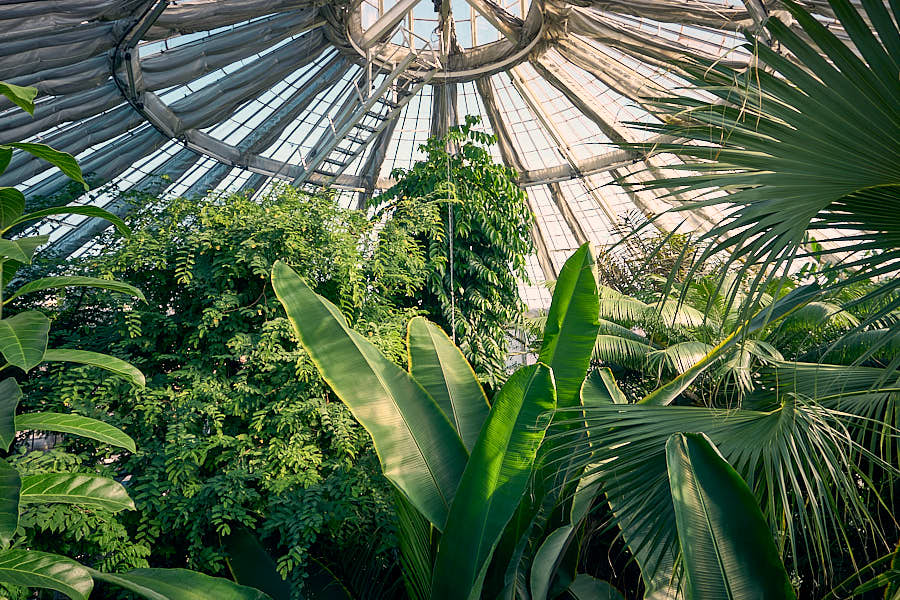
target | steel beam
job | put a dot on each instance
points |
(386, 23)
(511, 158)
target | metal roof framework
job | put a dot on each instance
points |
(190, 96)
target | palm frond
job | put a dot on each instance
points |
(679, 357)
(616, 350)
(798, 459)
(805, 142)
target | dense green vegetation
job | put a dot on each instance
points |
(714, 417)
(235, 427)
(486, 217)
(34, 488)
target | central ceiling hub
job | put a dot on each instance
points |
(451, 40)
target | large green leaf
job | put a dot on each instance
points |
(440, 367)
(586, 587)
(415, 542)
(572, 325)
(22, 249)
(23, 97)
(179, 584)
(23, 338)
(418, 448)
(76, 488)
(75, 424)
(49, 283)
(547, 559)
(790, 455)
(10, 394)
(12, 204)
(87, 211)
(600, 387)
(63, 161)
(251, 565)
(96, 359)
(726, 545)
(49, 571)
(494, 482)
(10, 484)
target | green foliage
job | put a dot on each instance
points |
(726, 547)
(490, 236)
(29, 501)
(805, 139)
(235, 426)
(463, 551)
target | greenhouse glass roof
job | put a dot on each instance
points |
(183, 97)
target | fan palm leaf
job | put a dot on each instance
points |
(798, 459)
(807, 144)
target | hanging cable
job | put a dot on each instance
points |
(444, 26)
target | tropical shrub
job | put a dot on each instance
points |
(26, 493)
(480, 500)
(235, 426)
(484, 217)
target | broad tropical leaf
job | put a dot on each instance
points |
(23, 338)
(87, 211)
(96, 359)
(439, 367)
(726, 545)
(586, 587)
(251, 565)
(49, 571)
(75, 424)
(21, 96)
(572, 325)
(179, 584)
(63, 161)
(10, 394)
(547, 559)
(76, 488)
(494, 482)
(414, 537)
(12, 203)
(50, 283)
(10, 484)
(419, 450)
(22, 249)
(600, 387)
